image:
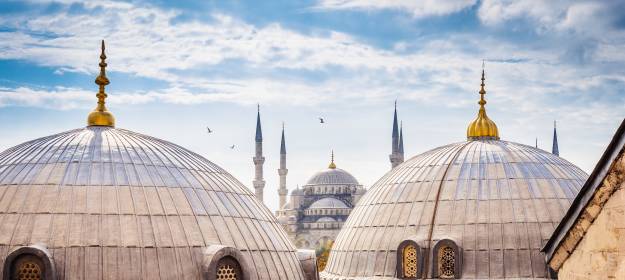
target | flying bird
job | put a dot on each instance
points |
(321, 120)
(232, 147)
(209, 129)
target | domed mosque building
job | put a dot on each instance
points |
(102, 202)
(316, 212)
(477, 209)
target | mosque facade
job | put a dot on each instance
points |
(315, 212)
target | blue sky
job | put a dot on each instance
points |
(177, 68)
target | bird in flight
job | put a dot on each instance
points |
(209, 129)
(321, 120)
(232, 147)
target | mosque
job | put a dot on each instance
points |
(103, 202)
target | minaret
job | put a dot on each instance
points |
(554, 148)
(282, 191)
(401, 142)
(259, 159)
(394, 156)
(536, 142)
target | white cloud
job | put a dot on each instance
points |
(417, 9)
(145, 41)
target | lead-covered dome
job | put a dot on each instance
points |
(327, 202)
(110, 200)
(478, 209)
(497, 200)
(101, 202)
(332, 176)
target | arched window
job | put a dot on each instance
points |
(30, 262)
(224, 263)
(447, 260)
(408, 260)
(228, 269)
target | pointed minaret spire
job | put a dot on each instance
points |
(395, 157)
(554, 148)
(536, 142)
(401, 141)
(282, 171)
(259, 160)
(259, 131)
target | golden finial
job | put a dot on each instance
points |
(332, 165)
(482, 127)
(100, 116)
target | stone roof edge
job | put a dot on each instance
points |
(586, 206)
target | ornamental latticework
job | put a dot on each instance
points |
(28, 270)
(446, 262)
(410, 261)
(226, 272)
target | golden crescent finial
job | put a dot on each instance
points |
(482, 127)
(332, 164)
(100, 116)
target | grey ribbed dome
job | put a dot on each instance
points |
(111, 202)
(332, 176)
(328, 202)
(499, 201)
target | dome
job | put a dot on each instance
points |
(332, 176)
(327, 202)
(326, 220)
(107, 199)
(495, 201)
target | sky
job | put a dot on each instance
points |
(177, 67)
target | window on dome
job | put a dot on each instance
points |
(410, 261)
(27, 267)
(446, 262)
(28, 262)
(228, 269)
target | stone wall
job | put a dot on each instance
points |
(601, 252)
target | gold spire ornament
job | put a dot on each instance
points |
(332, 165)
(100, 116)
(482, 127)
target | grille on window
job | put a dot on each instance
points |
(28, 270)
(410, 261)
(446, 262)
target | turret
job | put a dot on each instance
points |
(554, 148)
(259, 160)
(282, 171)
(396, 157)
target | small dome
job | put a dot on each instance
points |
(326, 220)
(327, 202)
(332, 176)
